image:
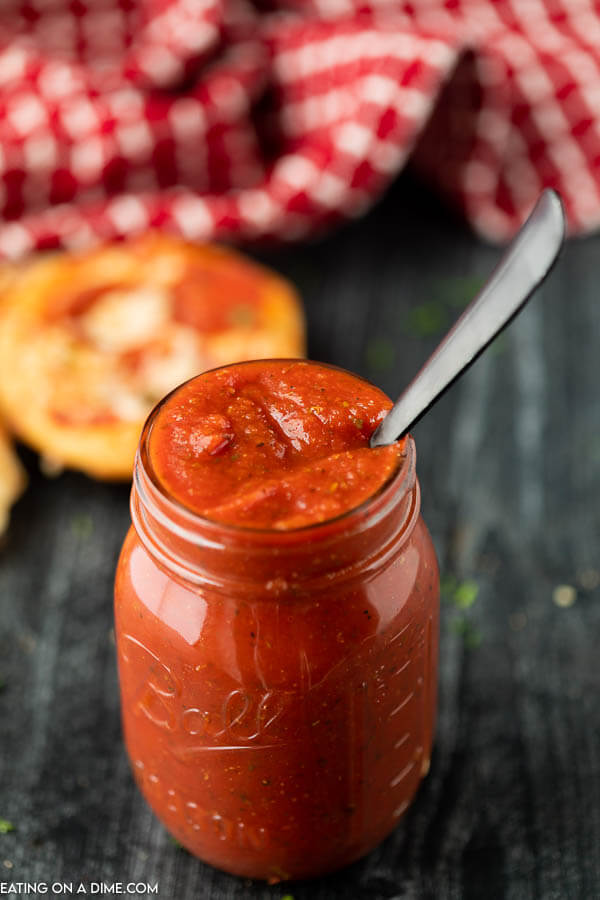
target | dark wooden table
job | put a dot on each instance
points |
(509, 463)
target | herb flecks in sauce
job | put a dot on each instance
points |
(262, 447)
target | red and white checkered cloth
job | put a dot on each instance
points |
(213, 119)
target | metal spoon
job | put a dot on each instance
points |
(523, 267)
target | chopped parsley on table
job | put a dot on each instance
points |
(380, 354)
(461, 595)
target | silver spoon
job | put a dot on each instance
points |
(523, 267)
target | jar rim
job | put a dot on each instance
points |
(147, 483)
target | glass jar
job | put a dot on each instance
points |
(278, 687)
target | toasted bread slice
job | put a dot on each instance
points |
(12, 478)
(90, 342)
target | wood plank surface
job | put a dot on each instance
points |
(509, 463)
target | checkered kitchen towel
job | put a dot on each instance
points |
(217, 119)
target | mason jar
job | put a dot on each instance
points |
(278, 687)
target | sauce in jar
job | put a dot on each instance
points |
(276, 613)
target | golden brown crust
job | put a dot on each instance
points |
(90, 342)
(12, 478)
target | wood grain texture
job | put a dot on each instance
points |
(509, 462)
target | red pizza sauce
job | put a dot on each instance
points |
(276, 616)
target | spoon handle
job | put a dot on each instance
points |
(523, 267)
